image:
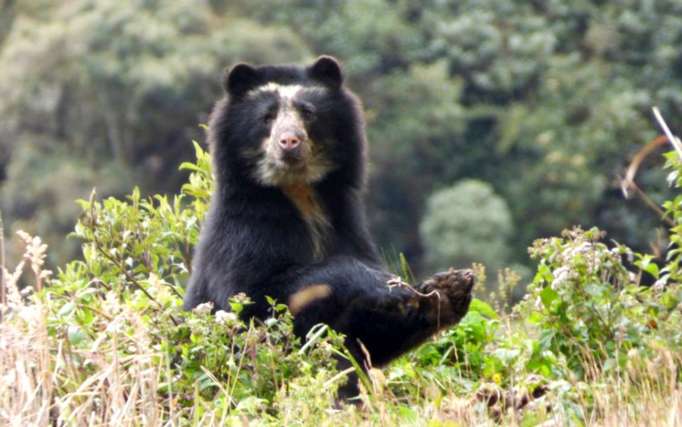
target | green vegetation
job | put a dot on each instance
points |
(106, 341)
(543, 100)
(466, 223)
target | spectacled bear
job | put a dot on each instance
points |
(287, 218)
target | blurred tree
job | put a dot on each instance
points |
(43, 183)
(498, 47)
(415, 146)
(545, 100)
(570, 150)
(7, 15)
(372, 36)
(466, 223)
(128, 81)
(560, 94)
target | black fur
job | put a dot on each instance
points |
(255, 240)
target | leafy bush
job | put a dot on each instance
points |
(586, 332)
(590, 308)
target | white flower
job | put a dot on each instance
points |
(561, 276)
(224, 317)
(203, 308)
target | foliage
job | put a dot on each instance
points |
(105, 340)
(466, 223)
(49, 176)
(590, 307)
(546, 101)
(586, 322)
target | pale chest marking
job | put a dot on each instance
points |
(304, 198)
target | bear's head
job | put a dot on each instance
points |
(285, 125)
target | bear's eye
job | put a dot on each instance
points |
(269, 116)
(306, 110)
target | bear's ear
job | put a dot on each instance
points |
(327, 70)
(240, 79)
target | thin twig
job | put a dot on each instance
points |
(365, 352)
(650, 203)
(338, 376)
(398, 282)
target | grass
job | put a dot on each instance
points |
(42, 386)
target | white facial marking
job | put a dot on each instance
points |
(285, 91)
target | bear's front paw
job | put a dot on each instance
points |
(446, 296)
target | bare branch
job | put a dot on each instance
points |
(675, 141)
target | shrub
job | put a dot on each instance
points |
(466, 223)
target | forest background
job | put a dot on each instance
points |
(491, 123)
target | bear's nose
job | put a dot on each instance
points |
(289, 141)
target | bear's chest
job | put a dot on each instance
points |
(311, 210)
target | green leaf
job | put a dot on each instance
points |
(75, 335)
(483, 308)
(251, 405)
(548, 296)
(407, 414)
(66, 309)
(647, 264)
